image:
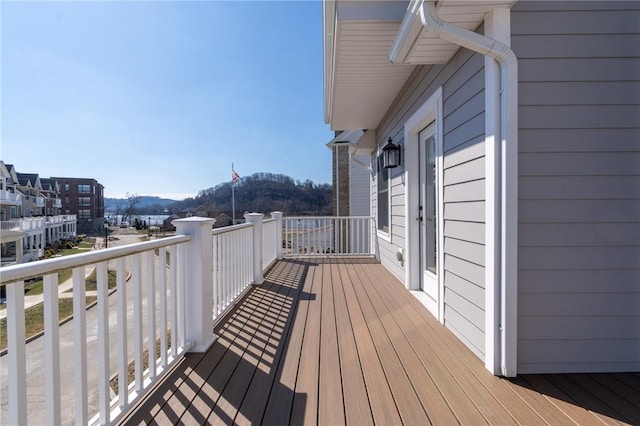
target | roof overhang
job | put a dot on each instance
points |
(359, 141)
(360, 80)
(8, 236)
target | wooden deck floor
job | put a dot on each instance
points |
(333, 342)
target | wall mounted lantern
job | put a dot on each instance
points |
(390, 155)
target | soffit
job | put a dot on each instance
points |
(363, 82)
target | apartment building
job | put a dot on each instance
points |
(83, 197)
(30, 215)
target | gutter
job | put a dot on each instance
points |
(422, 16)
(350, 137)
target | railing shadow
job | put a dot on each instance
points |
(239, 379)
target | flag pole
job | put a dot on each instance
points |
(233, 197)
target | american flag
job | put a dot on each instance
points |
(234, 176)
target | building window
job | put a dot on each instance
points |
(84, 189)
(84, 201)
(84, 214)
(383, 197)
(66, 186)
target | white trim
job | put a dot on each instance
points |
(492, 206)
(440, 206)
(329, 28)
(430, 111)
(384, 235)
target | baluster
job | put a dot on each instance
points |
(162, 283)
(226, 275)
(173, 285)
(102, 287)
(137, 320)
(52, 347)
(121, 292)
(182, 320)
(80, 344)
(151, 313)
(17, 373)
(216, 279)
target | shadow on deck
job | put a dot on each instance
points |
(335, 341)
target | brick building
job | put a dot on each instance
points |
(83, 197)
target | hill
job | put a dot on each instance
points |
(146, 204)
(264, 192)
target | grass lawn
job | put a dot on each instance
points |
(35, 287)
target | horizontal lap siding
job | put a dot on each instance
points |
(464, 195)
(359, 197)
(388, 244)
(462, 82)
(579, 186)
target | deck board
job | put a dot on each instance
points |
(340, 341)
(282, 394)
(356, 403)
(330, 399)
(383, 406)
(304, 409)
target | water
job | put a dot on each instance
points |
(151, 219)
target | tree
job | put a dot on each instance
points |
(130, 208)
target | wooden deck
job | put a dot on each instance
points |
(341, 341)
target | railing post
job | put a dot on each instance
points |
(198, 280)
(278, 217)
(256, 220)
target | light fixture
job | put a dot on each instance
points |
(390, 155)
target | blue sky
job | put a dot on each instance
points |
(159, 98)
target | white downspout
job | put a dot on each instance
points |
(508, 179)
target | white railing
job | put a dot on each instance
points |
(11, 225)
(269, 242)
(38, 201)
(32, 223)
(334, 236)
(10, 197)
(52, 220)
(57, 203)
(152, 281)
(189, 281)
(69, 218)
(232, 265)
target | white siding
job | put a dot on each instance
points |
(579, 186)
(359, 194)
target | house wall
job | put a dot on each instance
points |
(579, 187)
(462, 82)
(359, 197)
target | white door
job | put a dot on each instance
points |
(428, 217)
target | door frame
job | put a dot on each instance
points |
(430, 111)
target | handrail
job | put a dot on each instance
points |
(226, 229)
(24, 271)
